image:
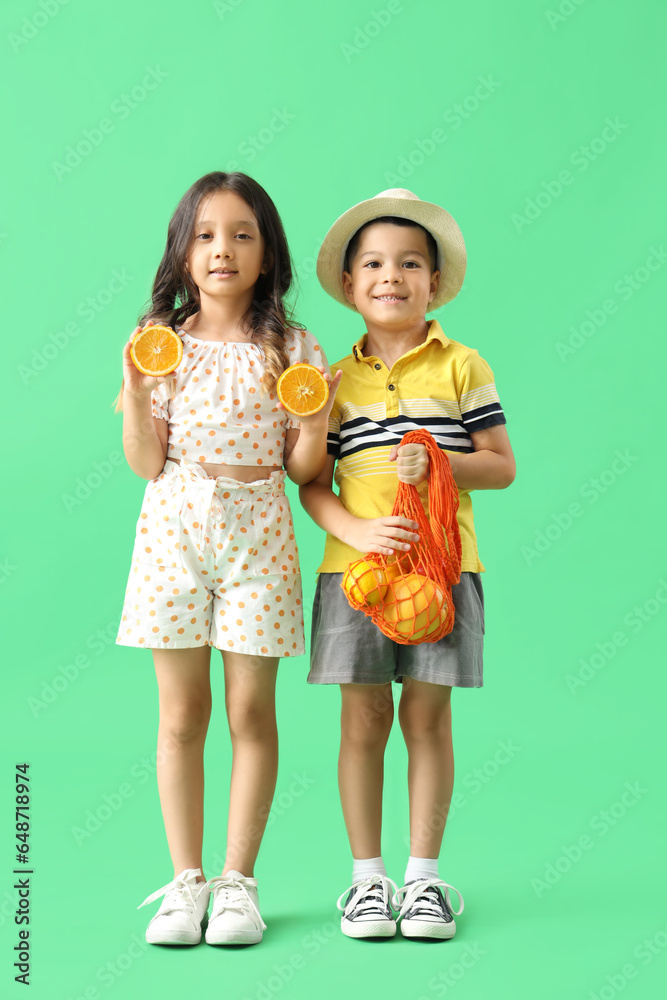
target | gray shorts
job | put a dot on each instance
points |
(347, 647)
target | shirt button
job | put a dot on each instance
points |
(391, 387)
(377, 366)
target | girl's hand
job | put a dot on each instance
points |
(333, 388)
(321, 418)
(412, 464)
(385, 535)
(135, 383)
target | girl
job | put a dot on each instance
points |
(215, 561)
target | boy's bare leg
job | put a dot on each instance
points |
(425, 718)
(367, 714)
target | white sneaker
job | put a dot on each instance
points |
(425, 909)
(367, 910)
(235, 916)
(178, 921)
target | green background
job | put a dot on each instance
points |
(560, 300)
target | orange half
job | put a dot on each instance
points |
(157, 350)
(302, 389)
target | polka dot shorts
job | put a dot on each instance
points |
(215, 563)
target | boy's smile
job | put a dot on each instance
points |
(391, 281)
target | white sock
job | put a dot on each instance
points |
(421, 868)
(366, 866)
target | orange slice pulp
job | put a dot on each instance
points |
(156, 350)
(302, 389)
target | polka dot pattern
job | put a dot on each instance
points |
(217, 411)
(215, 562)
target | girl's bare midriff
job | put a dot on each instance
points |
(244, 473)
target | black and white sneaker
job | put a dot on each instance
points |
(367, 909)
(425, 909)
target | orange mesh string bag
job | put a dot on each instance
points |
(409, 595)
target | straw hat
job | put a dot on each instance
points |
(451, 260)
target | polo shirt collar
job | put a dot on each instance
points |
(435, 332)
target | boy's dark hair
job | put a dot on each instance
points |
(175, 295)
(395, 220)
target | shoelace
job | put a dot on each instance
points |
(178, 891)
(407, 895)
(232, 894)
(372, 895)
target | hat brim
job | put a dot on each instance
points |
(448, 237)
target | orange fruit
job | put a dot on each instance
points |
(302, 389)
(396, 570)
(418, 609)
(365, 582)
(156, 350)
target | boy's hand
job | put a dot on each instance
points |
(412, 464)
(385, 535)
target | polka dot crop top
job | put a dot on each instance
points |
(217, 411)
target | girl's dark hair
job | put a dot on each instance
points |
(175, 295)
(353, 245)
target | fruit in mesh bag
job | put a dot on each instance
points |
(401, 567)
(365, 582)
(418, 607)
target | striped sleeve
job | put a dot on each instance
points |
(478, 398)
(333, 435)
(335, 417)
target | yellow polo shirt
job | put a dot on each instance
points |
(440, 385)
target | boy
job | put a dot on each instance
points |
(392, 258)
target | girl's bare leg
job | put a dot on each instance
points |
(250, 683)
(367, 715)
(185, 709)
(425, 717)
